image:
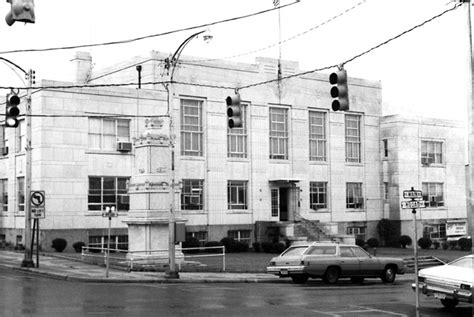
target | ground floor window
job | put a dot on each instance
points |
(318, 195)
(358, 232)
(237, 195)
(435, 231)
(200, 235)
(354, 197)
(107, 192)
(192, 197)
(119, 242)
(240, 235)
(433, 194)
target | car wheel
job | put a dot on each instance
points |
(388, 274)
(357, 280)
(449, 303)
(300, 279)
(331, 276)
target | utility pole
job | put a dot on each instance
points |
(28, 259)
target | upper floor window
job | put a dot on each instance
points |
(21, 193)
(385, 148)
(278, 133)
(433, 194)
(108, 191)
(104, 133)
(354, 197)
(237, 194)
(237, 138)
(318, 195)
(192, 197)
(317, 136)
(431, 152)
(4, 193)
(191, 127)
(21, 136)
(4, 139)
(353, 142)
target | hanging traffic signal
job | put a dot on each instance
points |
(12, 111)
(21, 11)
(339, 90)
(234, 111)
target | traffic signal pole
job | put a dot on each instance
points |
(28, 259)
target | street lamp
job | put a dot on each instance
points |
(170, 66)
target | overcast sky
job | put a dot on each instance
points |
(425, 71)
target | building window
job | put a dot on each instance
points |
(21, 193)
(237, 194)
(353, 143)
(385, 191)
(237, 138)
(240, 235)
(317, 136)
(435, 231)
(104, 133)
(199, 235)
(358, 232)
(354, 198)
(3, 140)
(119, 242)
(275, 202)
(433, 194)
(21, 136)
(431, 152)
(107, 192)
(318, 195)
(4, 192)
(192, 194)
(385, 148)
(191, 127)
(278, 133)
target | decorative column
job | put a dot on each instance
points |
(149, 191)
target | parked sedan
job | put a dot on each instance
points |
(331, 261)
(451, 283)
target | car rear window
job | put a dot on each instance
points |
(467, 263)
(322, 250)
(295, 250)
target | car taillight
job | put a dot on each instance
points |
(302, 263)
(466, 287)
(272, 263)
(421, 279)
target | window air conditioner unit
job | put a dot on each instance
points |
(124, 146)
(5, 150)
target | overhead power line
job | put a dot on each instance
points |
(146, 36)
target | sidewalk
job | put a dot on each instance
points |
(70, 270)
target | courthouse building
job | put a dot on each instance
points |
(294, 162)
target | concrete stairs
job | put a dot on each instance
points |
(310, 230)
(423, 262)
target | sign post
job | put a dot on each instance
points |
(416, 201)
(37, 207)
(109, 213)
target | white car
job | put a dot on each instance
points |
(451, 283)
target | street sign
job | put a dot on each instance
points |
(407, 194)
(412, 204)
(37, 198)
(38, 213)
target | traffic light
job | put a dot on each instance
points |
(21, 11)
(234, 111)
(12, 111)
(339, 90)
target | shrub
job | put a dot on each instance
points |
(241, 246)
(278, 247)
(257, 247)
(78, 246)
(404, 240)
(213, 244)
(436, 245)
(267, 247)
(191, 243)
(229, 244)
(465, 244)
(373, 242)
(452, 244)
(360, 242)
(444, 245)
(59, 244)
(425, 243)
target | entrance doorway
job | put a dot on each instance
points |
(280, 206)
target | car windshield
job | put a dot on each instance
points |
(295, 251)
(464, 262)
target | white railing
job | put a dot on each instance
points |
(149, 257)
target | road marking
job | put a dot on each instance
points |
(358, 311)
(384, 311)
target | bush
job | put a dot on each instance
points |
(229, 244)
(452, 244)
(465, 244)
(424, 243)
(213, 244)
(373, 242)
(78, 246)
(257, 247)
(360, 242)
(267, 247)
(436, 245)
(241, 246)
(444, 245)
(59, 244)
(278, 247)
(404, 241)
(191, 243)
